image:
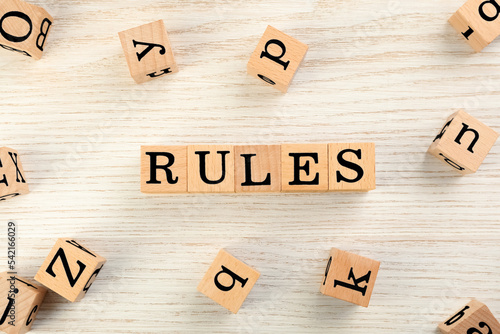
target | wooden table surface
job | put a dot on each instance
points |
(390, 72)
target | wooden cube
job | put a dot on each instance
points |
(276, 58)
(24, 27)
(148, 51)
(228, 281)
(304, 167)
(475, 317)
(463, 143)
(477, 22)
(70, 269)
(12, 180)
(350, 277)
(257, 168)
(352, 167)
(164, 169)
(20, 301)
(211, 168)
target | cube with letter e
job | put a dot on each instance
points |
(276, 58)
(70, 269)
(228, 281)
(350, 277)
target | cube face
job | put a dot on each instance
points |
(304, 167)
(211, 168)
(20, 301)
(475, 317)
(228, 281)
(12, 179)
(70, 269)
(24, 28)
(148, 51)
(352, 167)
(477, 22)
(257, 168)
(463, 143)
(164, 169)
(276, 58)
(350, 277)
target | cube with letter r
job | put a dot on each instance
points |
(228, 281)
(70, 269)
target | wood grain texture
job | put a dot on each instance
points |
(379, 71)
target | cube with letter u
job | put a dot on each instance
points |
(70, 269)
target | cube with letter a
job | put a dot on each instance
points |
(276, 58)
(478, 22)
(148, 51)
(473, 318)
(70, 269)
(24, 27)
(20, 301)
(350, 277)
(12, 179)
(463, 143)
(228, 281)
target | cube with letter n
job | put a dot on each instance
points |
(70, 269)
(228, 281)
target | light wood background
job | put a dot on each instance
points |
(383, 71)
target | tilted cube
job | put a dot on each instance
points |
(12, 179)
(473, 318)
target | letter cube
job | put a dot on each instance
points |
(148, 51)
(350, 277)
(477, 21)
(20, 301)
(211, 168)
(70, 269)
(164, 169)
(304, 167)
(257, 168)
(475, 317)
(276, 58)
(24, 27)
(12, 180)
(463, 143)
(352, 167)
(228, 281)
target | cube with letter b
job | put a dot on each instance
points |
(276, 58)
(350, 277)
(228, 281)
(20, 301)
(70, 269)
(473, 318)
(24, 27)
(12, 180)
(463, 143)
(478, 22)
(148, 51)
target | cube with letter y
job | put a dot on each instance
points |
(12, 180)
(70, 269)
(350, 277)
(478, 22)
(463, 143)
(24, 27)
(228, 281)
(276, 58)
(148, 51)
(473, 318)
(20, 301)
